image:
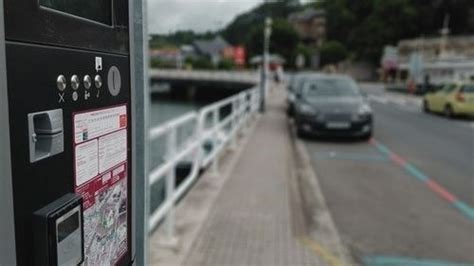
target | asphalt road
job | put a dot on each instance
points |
(407, 196)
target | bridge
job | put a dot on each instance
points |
(177, 79)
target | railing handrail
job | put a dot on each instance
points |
(157, 131)
(214, 75)
(221, 131)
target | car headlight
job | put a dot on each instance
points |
(364, 110)
(307, 109)
(362, 113)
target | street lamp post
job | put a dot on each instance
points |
(265, 60)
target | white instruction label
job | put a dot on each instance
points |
(91, 125)
(87, 161)
(112, 150)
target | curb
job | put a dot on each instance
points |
(323, 237)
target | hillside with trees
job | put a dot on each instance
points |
(364, 27)
(356, 28)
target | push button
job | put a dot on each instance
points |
(61, 82)
(98, 81)
(87, 82)
(75, 82)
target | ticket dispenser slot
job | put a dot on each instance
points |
(46, 137)
(59, 234)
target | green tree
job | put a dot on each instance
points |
(226, 64)
(199, 63)
(307, 53)
(238, 29)
(366, 26)
(178, 38)
(284, 40)
(332, 52)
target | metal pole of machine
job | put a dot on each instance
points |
(140, 105)
(7, 224)
(264, 78)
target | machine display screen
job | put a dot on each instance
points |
(68, 226)
(96, 10)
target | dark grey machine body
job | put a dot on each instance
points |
(39, 42)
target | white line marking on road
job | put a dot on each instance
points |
(379, 99)
(469, 125)
(398, 101)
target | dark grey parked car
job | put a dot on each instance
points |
(332, 105)
(294, 85)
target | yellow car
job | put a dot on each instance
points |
(452, 99)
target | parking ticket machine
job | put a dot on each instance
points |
(65, 104)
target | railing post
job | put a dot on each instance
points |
(200, 129)
(171, 143)
(234, 124)
(252, 104)
(243, 113)
(215, 141)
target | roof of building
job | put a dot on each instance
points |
(211, 47)
(306, 14)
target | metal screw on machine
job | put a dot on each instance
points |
(75, 82)
(61, 82)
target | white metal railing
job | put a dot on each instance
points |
(222, 75)
(216, 126)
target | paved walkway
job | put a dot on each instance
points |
(253, 220)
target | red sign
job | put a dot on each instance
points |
(239, 55)
(123, 120)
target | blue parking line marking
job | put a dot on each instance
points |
(402, 261)
(465, 209)
(461, 206)
(415, 172)
(382, 148)
(350, 156)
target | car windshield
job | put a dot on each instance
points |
(299, 82)
(330, 88)
(448, 88)
(468, 88)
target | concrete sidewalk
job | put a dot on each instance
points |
(258, 215)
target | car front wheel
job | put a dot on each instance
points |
(367, 136)
(448, 111)
(300, 133)
(426, 107)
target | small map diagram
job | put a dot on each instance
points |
(105, 225)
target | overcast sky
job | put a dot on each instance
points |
(166, 16)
